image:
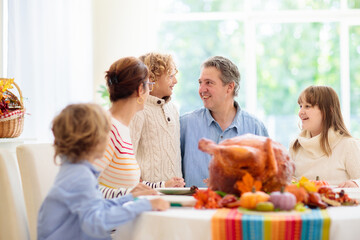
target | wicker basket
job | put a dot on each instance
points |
(12, 123)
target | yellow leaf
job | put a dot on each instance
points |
(309, 186)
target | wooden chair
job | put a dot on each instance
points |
(38, 172)
(13, 219)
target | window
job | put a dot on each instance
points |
(290, 57)
(192, 45)
(280, 47)
(354, 50)
(354, 4)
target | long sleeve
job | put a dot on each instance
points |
(155, 184)
(155, 133)
(183, 130)
(98, 217)
(109, 193)
(263, 131)
(120, 171)
(136, 128)
(342, 165)
(102, 163)
(75, 209)
(352, 162)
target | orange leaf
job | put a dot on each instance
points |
(247, 184)
(242, 187)
(257, 185)
(248, 180)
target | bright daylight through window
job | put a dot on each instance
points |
(280, 47)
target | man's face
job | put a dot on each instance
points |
(212, 91)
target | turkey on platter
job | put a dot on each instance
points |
(265, 160)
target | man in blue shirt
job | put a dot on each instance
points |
(219, 119)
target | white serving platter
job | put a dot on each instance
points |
(176, 191)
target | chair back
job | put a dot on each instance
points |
(38, 172)
(13, 219)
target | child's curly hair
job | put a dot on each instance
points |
(78, 129)
(158, 64)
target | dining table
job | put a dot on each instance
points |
(193, 224)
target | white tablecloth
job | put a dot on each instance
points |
(188, 223)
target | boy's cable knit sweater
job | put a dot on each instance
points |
(155, 133)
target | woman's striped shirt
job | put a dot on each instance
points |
(120, 170)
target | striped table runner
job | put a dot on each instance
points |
(229, 224)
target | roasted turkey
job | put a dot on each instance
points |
(266, 161)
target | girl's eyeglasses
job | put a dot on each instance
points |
(150, 84)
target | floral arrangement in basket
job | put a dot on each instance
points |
(11, 110)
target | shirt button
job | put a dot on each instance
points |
(221, 136)
(168, 119)
(158, 102)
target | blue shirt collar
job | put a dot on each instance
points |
(234, 124)
(83, 162)
(91, 167)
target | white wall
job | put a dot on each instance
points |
(50, 55)
(1, 39)
(121, 28)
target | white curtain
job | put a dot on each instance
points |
(51, 58)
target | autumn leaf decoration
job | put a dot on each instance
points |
(247, 184)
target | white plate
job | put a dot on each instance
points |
(176, 191)
(351, 192)
(174, 200)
